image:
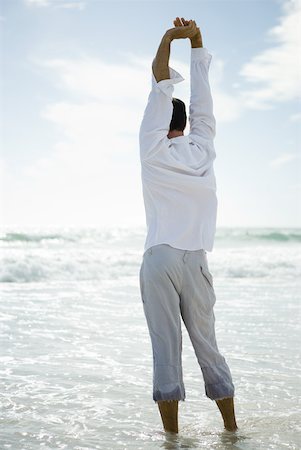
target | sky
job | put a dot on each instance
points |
(75, 79)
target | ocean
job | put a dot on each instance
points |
(76, 357)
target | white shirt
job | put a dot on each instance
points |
(178, 180)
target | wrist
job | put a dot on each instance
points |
(196, 39)
(196, 42)
(167, 38)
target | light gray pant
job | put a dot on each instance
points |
(175, 283)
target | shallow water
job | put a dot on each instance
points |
(76, 358)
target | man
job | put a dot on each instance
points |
(179, 191)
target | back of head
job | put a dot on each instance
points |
(179, 117)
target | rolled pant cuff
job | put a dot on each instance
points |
(177, 393)
(218, 381)
(219, 391)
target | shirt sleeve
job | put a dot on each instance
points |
(157, 116)
(201, 119)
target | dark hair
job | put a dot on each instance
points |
(179, 117)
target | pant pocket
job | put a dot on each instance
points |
(207, 275)
(141, 281)
(209, 282)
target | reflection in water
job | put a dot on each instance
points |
(204, 440)
(175, 441)
(251, 435)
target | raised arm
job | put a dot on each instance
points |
(201, 118)
(161, 61)
(157, 116)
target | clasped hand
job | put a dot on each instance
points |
(180, 31)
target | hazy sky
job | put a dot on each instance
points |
(77, 75)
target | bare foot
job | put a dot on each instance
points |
(226, 407)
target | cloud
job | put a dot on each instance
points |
(93, 171)
(295, 186)
(283, 159)
(275, 72)
(38, 2)
(93, 78)
(295, 117)
(92, 174)
(65, 4)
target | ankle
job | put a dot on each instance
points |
(226, 407)
(231, 426)
(171, 430)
